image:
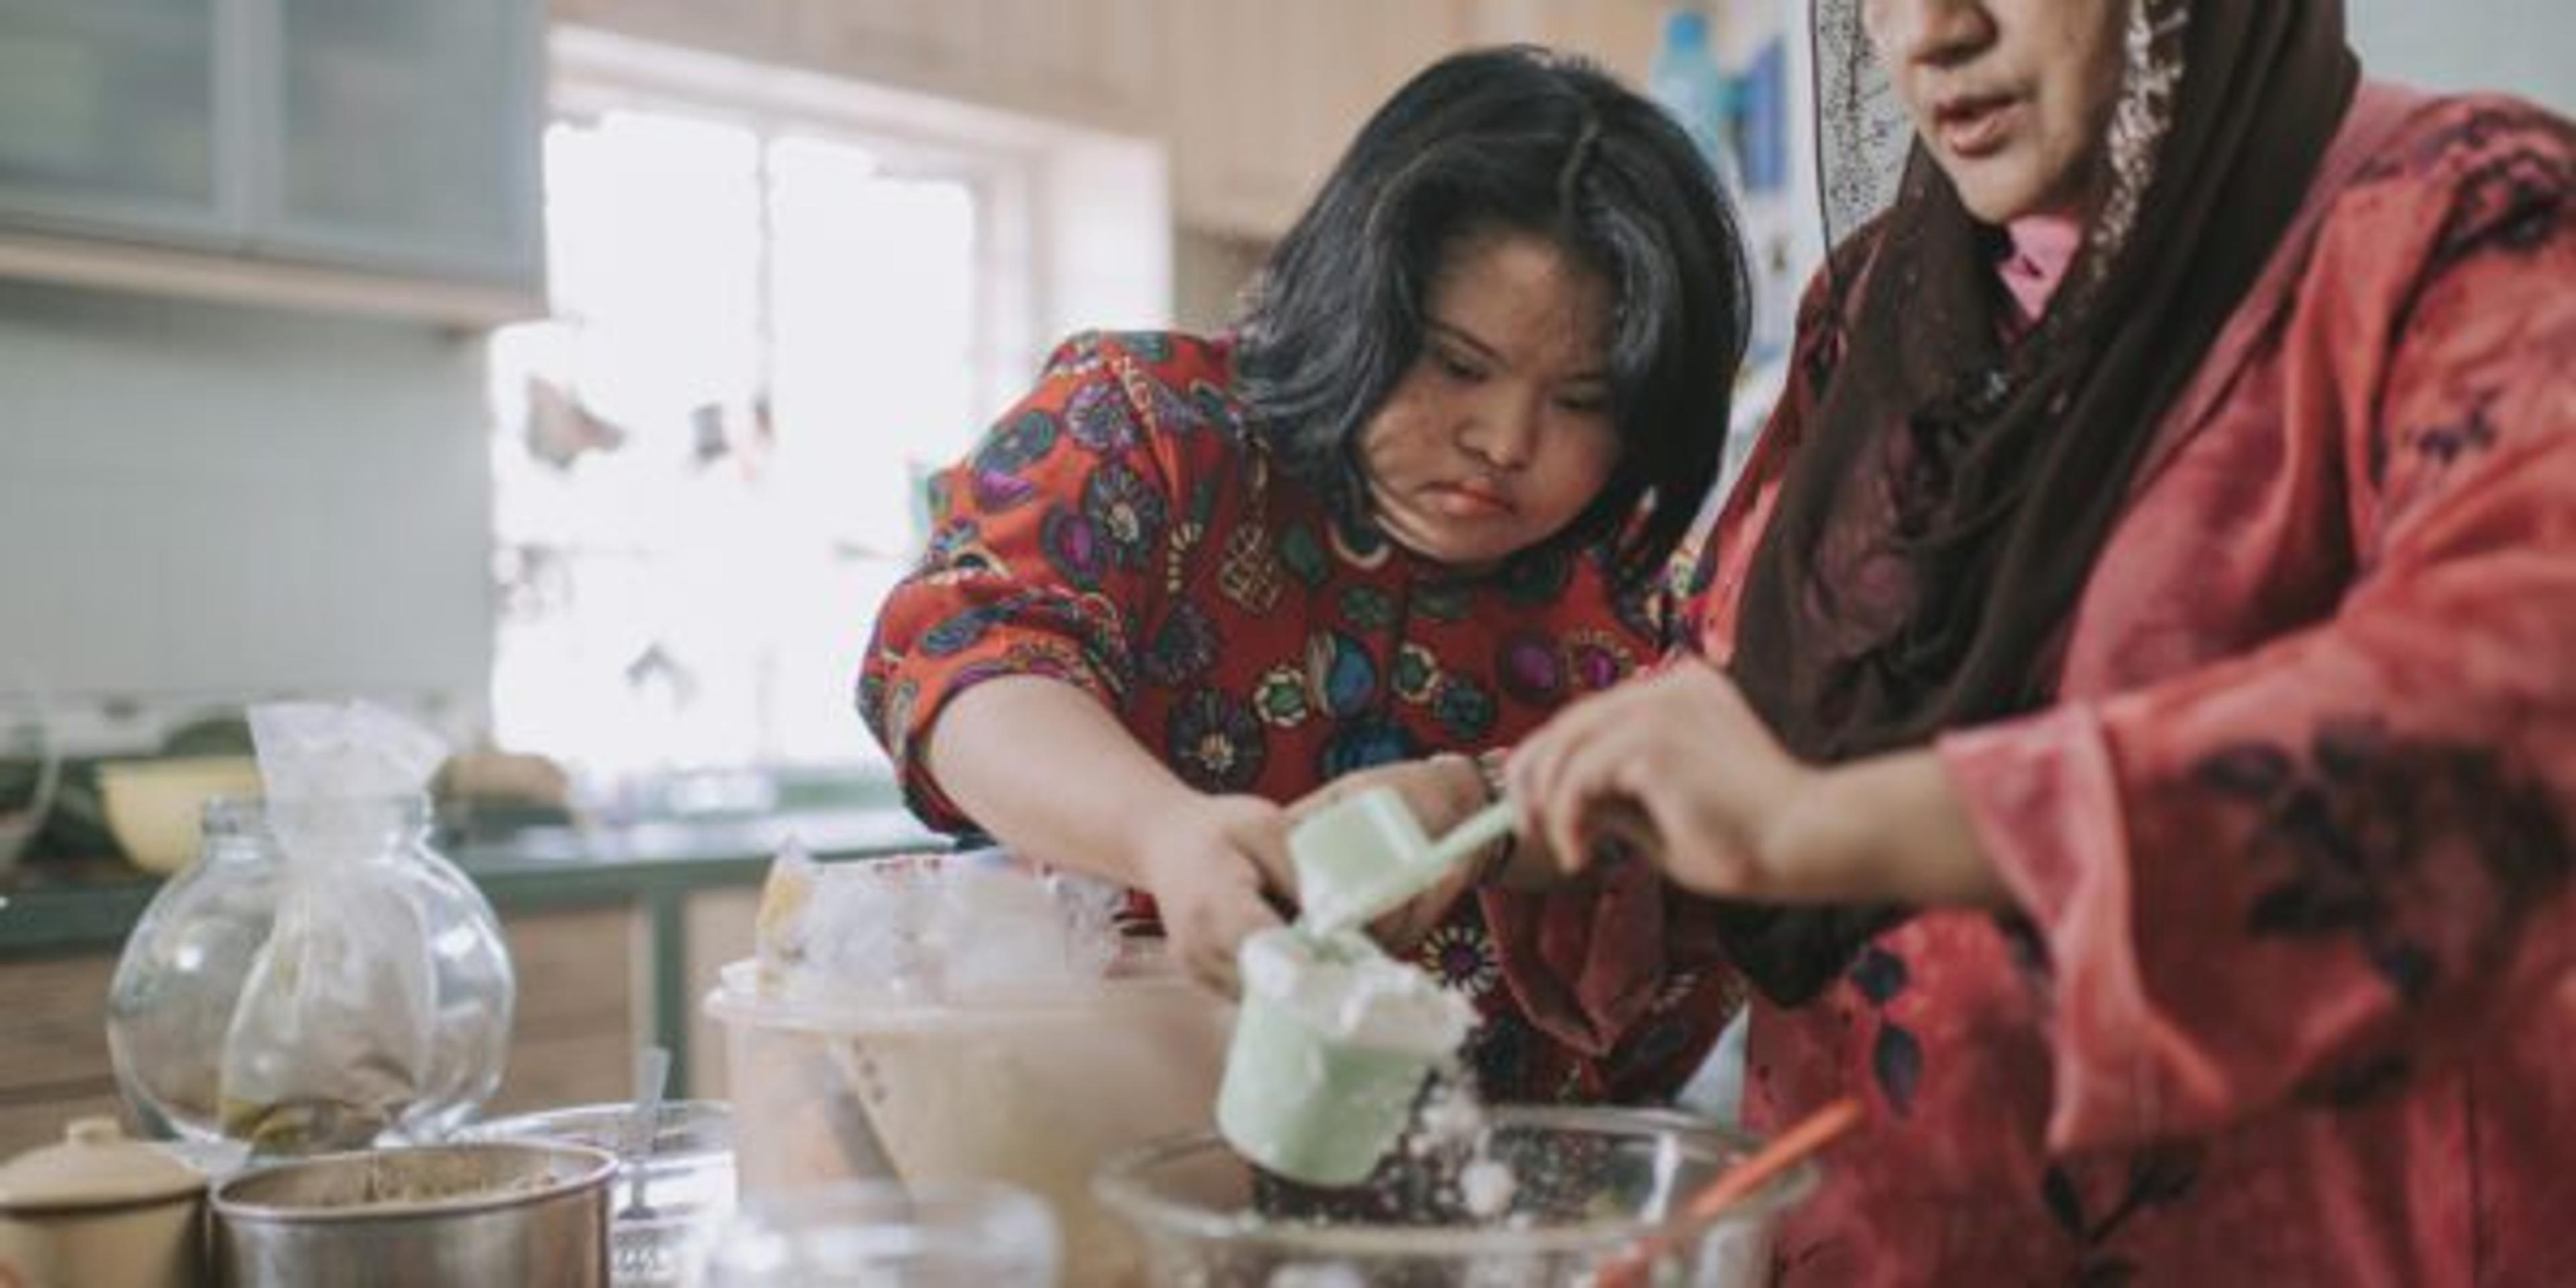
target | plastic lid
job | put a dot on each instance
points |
(95, 1166)
(1686, 28)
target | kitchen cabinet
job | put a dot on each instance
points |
(405, 137)
(1256, 98)
(112, 114)
(721, 930)
(581, 1011)
(1266, 96)
(901, 42)
(1621, 35)
(1090, 61)
(1097, 61)
(302, 151)
(53, 1047)
(762, 30)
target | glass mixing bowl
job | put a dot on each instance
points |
(1588, 1187)
(674, 1185)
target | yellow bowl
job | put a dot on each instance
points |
(154, 807)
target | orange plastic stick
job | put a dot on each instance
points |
(1784, 1151)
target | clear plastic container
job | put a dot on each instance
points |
(171, 1006)
(1587, 1188)
(1686, 80)
(675, 1183)
(1032, 1092)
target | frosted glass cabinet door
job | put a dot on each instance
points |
(406, 136)
(113, 114)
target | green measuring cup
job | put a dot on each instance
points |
(1331, 1046)
(1361, 857)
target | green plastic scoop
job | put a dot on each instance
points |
(1362, 857)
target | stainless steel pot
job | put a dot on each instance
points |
(437, 1216)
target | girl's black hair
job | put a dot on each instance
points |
(1510, 139)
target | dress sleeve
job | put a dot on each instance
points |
(1049, 543)
(2315, 871)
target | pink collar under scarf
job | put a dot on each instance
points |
(2042, 248)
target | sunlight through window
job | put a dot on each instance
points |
(706, 458)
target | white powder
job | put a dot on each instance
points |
(1452, 1119)
(1305, 1275)
(1487, 1186)
(1346, 990)
(1452, 1125)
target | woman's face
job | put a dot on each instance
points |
(1500, 434)
(2012, 97)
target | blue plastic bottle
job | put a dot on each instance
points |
(1685, 79)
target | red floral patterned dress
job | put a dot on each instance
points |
(1119, 531)
(2290, 994)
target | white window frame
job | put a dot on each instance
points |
(1073, 226)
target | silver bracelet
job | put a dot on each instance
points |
(1489, 770)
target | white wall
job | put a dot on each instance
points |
(203, 502)
(2527, 47)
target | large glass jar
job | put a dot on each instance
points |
(172, 1024)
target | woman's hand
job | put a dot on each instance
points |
(1673, 766)
(1441, 791)
(1212, 864)
(1676, 767)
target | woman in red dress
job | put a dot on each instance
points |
(2135, 725)
(1418, 500)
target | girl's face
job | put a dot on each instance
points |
(1500, 434)
(2012, 97)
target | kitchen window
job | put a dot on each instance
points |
(770, 317)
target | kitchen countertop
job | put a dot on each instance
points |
(57, 907)
(60, 906)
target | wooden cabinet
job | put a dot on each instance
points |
(1089, 61)
(581, 1009)
(1099, 61)
(758, 29)
(393, 143)
(719, 926)
(1256, 98)
(1621, 35)
(899, 42)
(53, 1047)
(1265, 97)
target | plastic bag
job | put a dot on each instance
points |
(332, 1038)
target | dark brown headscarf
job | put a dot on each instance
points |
(1954, 488)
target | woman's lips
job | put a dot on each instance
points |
(1465, 501)
(1973, 126)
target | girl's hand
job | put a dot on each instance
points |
(1214, 865)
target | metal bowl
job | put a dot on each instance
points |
(435, 1216)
